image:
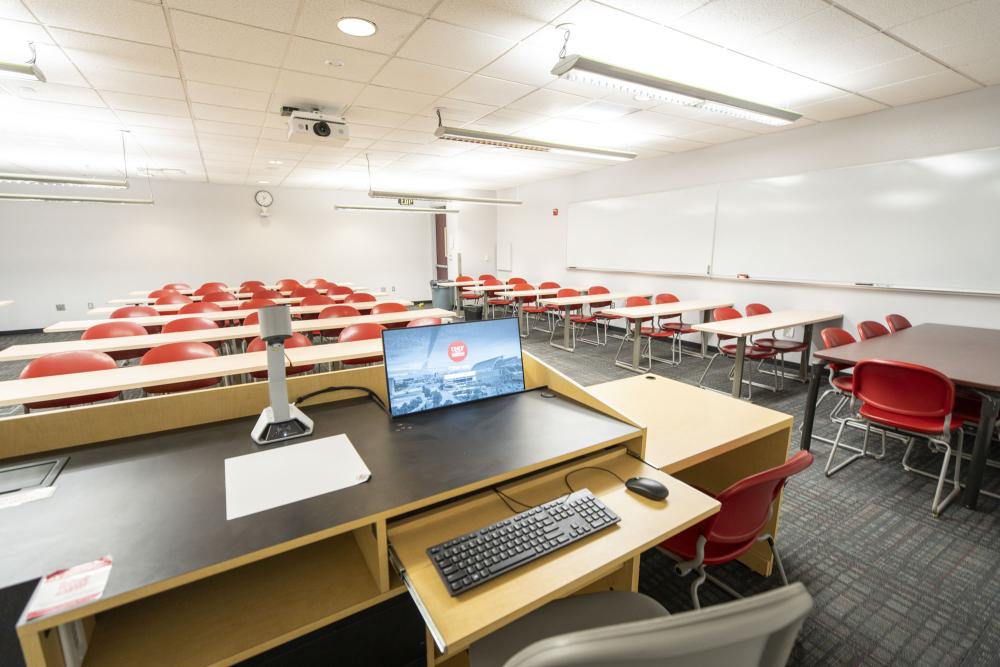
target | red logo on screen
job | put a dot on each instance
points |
(457, 351)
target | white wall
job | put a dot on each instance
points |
(960, 122)
(78, 253)
(473, 234)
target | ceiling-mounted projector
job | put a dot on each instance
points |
(310, 127)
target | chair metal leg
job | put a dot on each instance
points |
(830, 468)
(777, 558)
(701, 380)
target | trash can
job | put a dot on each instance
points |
(441, 296)
(473, 313)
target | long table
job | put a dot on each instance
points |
(191, 290)
(145, 300)
(969, 356)
(160, 320)
(35, 350)
(636, 314)
(567, 303)
(743, 327)
(236, 303)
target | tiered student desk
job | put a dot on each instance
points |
(145, 484)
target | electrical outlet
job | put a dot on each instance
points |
(60, 306)
(90, 304)
(393, 288)
(382, 289)
(789, 332)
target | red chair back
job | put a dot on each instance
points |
(490, 282)
(251, 286)
(117, 329)
(383, 308)
(64, 363)
(598, 289)
(218, 297)
(157, 293)
(297, 340)
(179, 352)
(487, 276)
(569, 292)
(665, 298)
(424, 322)
(463, 279)
(288, 284)
(252, 318)
(897, 322)
(871, 329)
(172, 298)
(515, 281)
(757, 309)
(548, 284)
(636, 301)
(835, 337)
(359, 297)
(523, 287)
(905, 389)
(726, 313)
(255, 303)
(304, 292)
(746, 505)
(339, 290)
(336, 311)
(189, 324)
(267, 294)
(134, 311)
(317, 283)
(366, 331)
(199, 307)
(208, 288)
(314, 300)
(176, 287)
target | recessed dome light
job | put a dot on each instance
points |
(352, 25)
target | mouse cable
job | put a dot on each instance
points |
(504, 497)
(575, 470)
(375, 397)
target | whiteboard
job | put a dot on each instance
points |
(931, 223)
(661, 232)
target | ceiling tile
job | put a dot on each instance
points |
(377, 117)
(887, 73)
(599, 111)
(225, 96)
(229, 40)
(549, 102)
(524, 63)
(456, 111)
(319, 21)
(923, 88)
(512, 19)
(986, 71)
(271, 14)
(393, 99)
(227, 114)
(14, 38)
(54, 64)
(135, 21)
(507, 121)
(408, 136)
(96, 51)
(309, 55)
(135, 83)
(969, 52)
(467, 50)
(890, 13)
(420, 77)
(155, 120)
(54, 92)
(657, 10)
(210, 69)
(840, 107)
(229, 129)
(819, 31)
(145, 104)
(305, 90)
(13, 9)
(362, 131)
(735, 22)
(717, 135)
(979, 19)
(489, 91)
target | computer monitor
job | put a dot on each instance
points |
(449, 364)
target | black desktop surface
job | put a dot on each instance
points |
(157, 503)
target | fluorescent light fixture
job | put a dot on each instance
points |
(356, 27)
(24, 71)
(378, 194)
(406, 209)
(640, 85)
(62, 180)
(29, 196)
(526, 144)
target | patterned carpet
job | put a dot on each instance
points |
(892, 584)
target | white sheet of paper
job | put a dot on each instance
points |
(21, 497)
(268, 479)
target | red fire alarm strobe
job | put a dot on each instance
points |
(555, 211)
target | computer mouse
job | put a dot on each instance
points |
(647, 488)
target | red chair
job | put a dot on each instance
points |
(355, 332)
(780, 346)
(597, 309)
(871, 329)
(252, 318)
(64, 363)
(317, 283)
(301, 292)
(220, 297)
(841, 383)
(911, 400)
(577, 320)
(288, 284)
(137, 311)
(267, 294)
(492, 302)
(516, 281)
(529, 306)
(189, 324)
(751, 353)
(487, 276)
(384, 308)
(674, 323)
(297, 340)
(199, 307)
(255, 303)
(339, 290)
(424, 322)
(251, 286)
(176, 287)
(524, 304)
(314, 300)
(650, 333)
(336, 311)
(157, 293)
(179, 352)
(468, 296)
(170, 300)
(746, 508)
(117, 329)
(897, 322)
(359, 297)
(208, 288)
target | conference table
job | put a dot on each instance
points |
(121, 343)
(742, 328)
(238, 299)
(636, 314)
(969, 356)
(160, 320)
(567, 303)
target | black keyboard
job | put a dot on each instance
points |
(475, 558)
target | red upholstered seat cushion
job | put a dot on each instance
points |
(929, 425)
(656, 333)
(844, 383)
(500, 302)
(752, 351)
(683, 544)
(582, 319)
(780, 345)
(534, 309)
(677, 326)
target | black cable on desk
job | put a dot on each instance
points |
(375, 397)
(575, 470)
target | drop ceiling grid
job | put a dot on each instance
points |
(221, 120)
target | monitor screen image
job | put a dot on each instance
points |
(436, 366)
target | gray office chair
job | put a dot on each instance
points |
(632, 630)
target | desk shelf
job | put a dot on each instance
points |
(240, 613)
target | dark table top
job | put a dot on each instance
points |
(970, 356)
(157, 503)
